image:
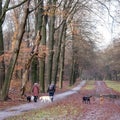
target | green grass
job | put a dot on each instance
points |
(90, 85)
(115, 85)
(56, 112)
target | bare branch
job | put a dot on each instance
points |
(5, 8)
(15, 6)
(106, 8)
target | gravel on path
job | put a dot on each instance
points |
(31, 106)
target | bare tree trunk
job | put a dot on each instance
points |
(34, 70)
(72, 72)
(2, 64)
(51, 41)
(2, 74)
(14, 56)
(42, 60)
(57, 54)
(27, 65)
(72, 75)
(35, 62)
(62, 57)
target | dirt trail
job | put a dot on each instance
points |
(107, 109)
(30, 106)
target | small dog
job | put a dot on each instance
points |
(86, 99)
(45, 99)
(30, 98)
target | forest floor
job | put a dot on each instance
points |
(107, 108)
(17, 99)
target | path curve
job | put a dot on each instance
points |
(31, 106)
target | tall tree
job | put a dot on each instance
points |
(62, 58)
(51, 23)
(57, 53)
(2, 65)
(38, 27)
(14, 56)
(42, 60)
(29, 61)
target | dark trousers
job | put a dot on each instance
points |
(51, 94)
(35, 98)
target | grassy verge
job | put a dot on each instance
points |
(115, 85)
(90, 85)
(68, 109)
(58, 111)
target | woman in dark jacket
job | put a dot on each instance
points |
(51, 91)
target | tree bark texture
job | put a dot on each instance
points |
(14, 56)
(57, 54)
(42, 60)
(2, 64)
(35, 63)
(51, 41)
(27, 65)
(62, 58)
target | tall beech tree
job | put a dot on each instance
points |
(7, 78)
(43, 83)
(38, 27)
(62, 58)
(2, 64)
(51, 23)
(14, 56)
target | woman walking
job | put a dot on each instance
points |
(35, 91)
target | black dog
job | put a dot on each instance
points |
(86, 99)
(29, 98)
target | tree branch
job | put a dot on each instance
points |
(5, 8)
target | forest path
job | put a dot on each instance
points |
(107, 108)
(31, 106)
